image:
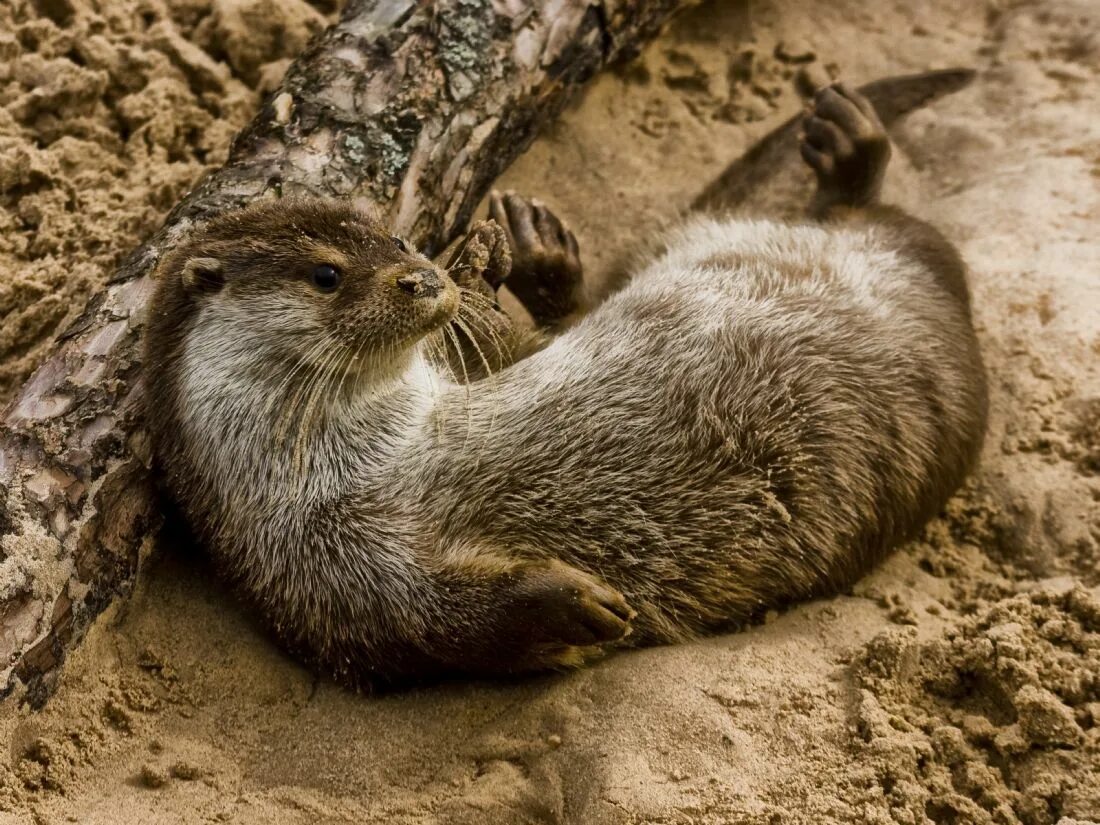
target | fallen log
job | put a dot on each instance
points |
(413, 106)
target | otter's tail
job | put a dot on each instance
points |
(771, 178)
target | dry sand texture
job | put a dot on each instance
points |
(959, 683)
(109, 111)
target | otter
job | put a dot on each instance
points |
(405, 484)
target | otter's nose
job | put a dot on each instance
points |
(424, 283)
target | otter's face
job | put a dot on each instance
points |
(314, 276)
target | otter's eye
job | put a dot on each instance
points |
(400, 244)
(325, 277)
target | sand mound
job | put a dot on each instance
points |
(997, 720)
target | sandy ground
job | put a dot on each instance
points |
(959, 683)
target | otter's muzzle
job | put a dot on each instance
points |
(424, 283)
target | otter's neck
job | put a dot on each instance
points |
(266, 425)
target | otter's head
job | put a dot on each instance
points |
(312, 281)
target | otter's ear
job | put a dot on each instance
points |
(203, 275)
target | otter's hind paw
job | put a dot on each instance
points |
(845, 143)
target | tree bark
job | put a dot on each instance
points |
(414, 106)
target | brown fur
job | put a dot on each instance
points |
(756, 418)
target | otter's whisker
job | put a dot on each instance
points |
(438, 343)
(487, 328)
(314, 360)
(473, 342)
(352, 360)
(422, 354)
(492, 380)
(467, 311)
(303, 360)
(452, 339)
(305, 426)
(301, 405)
(292, 405)
(483, 322)
(436, 352)
(466, 381)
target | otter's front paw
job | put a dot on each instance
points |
(546, 267)
(483, 260)
(847, 146)
(561, 614)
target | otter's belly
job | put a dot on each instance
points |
(652, 425)
(774, 408)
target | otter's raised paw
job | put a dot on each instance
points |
(483, 260)
(546, 267)
(559, 614)
(847, 146)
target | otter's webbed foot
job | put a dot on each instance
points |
(847, 146)
(546, 267)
